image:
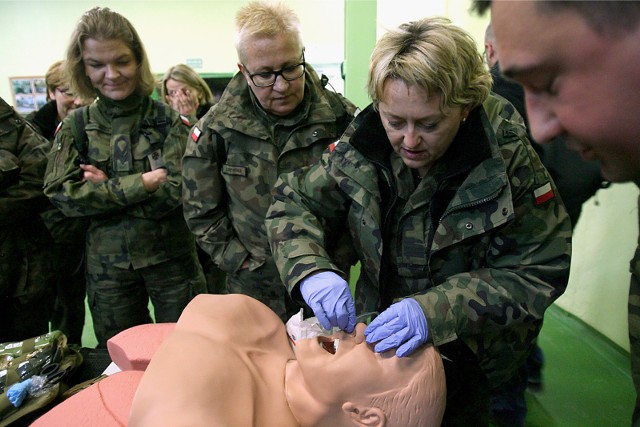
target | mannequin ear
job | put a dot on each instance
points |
(365, 416)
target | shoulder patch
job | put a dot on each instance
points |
(544, 193)
(185, 120)
(332, 146)
(195, 133)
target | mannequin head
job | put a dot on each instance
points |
(357, 385)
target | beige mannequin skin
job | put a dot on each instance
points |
(229, 362)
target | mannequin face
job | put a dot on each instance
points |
(355, 370)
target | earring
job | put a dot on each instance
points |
(464, 119)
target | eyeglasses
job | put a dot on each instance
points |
(268, 78)
(65, 91)
(175, 93)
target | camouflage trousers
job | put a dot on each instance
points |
(634, 326)
(468, 392)
(27, 281)
(119, 298)
(68, 310)
(264, 284)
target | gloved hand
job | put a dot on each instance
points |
(330, 298)
(402, 325)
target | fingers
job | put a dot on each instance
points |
(322, 317)
(408, 347)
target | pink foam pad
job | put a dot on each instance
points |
(133, 348)
(104, 404)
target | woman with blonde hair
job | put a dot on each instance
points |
(461, 239)
(186, 92)
(117, 163)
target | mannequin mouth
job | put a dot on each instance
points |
(329, 344)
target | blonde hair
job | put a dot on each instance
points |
(263, 19)
(101, 23)
(432, 54)
(184, 74)
(55, 77)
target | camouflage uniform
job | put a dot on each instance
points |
(474, 242)
(27, 272)
(225, 205)
(138, 244)
(634, 325)
(68, 250)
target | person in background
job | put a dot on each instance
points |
(27, 269)
(274, 116)
(577, 181)
(461, 239)
(579, 65)
(186, 92)
(68, 233)
(60, 101)
(122, 172)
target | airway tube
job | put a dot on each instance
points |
(299, 328)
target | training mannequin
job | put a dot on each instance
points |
(229, 362)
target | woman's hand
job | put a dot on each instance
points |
(152, 180)
(93, 174)
(185, 102)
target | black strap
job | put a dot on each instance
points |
(81, 116)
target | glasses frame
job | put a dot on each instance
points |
(277, 73)
(65, 92)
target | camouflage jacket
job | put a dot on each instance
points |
(23, 237)
(22, 165)
(480, 242)
(226, 200)
(128, 225)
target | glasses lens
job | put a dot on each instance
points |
(65, 91)
(264, 79)
(292, 73)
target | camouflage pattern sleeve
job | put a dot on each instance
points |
(168, 197)
(22, 165)
(297, 236)
(205, 200)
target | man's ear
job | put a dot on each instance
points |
(364, 415)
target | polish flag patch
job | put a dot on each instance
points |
(332, 146)
(544, 193)
(57, 129)
(195, 134)
(185, 120)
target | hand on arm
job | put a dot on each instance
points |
(402, 325)
(330, 298)
(152, 180)
(93, 174)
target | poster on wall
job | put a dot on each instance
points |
(29, 93)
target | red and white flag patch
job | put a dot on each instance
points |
(332, 146)
(57, 129)
(185, 120)
(195, 134)
(544, 193)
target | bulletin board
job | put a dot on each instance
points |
(29, 93)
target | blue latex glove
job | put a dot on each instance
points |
(330, 298)
(402, 325)
(18, 392)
